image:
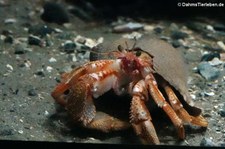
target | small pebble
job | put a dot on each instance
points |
(27, 63)
(48, 42)
(210, 28)
(34, 40)
(80, 39)
(4, 3)
(210, 56)
(55, 13)
(40, 73)
(10, 21)
(221, 45)
(52, 59)
(196, 26)
(207, 71)
(20, 131)
(222, 113)
(49, 68)
(131, 26)
(8, 39)
(32, 92)
(6, 32)
(67, 25)
(46, 113)
(40, 30)
(20, 49)
(148, 28)
(165, 38)
(222, 57)
(193, 96)
(72, 57)
(12, 110)
(207, 142)
(173, 27)
(100, 40)
(58, 80)
(209, 93)
(176, 43)
(132, 35)
(69, 46)
(215, 61)
(57, 30)
(87, 43)
(90, 43)
(158, 30)
(178, 35)
(10, 67)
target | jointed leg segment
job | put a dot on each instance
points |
(178, 108)
(161, 102)
(140, 116)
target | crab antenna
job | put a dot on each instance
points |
(97, 52)
(135, 42)
(109, 54)
(126, 45)
(120, 48)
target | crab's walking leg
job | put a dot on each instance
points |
(161, 102)
(107, 123)
(181, 112)
(140, 116)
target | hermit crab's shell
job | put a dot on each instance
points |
(168, 63)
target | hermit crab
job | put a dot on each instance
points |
(146, 69)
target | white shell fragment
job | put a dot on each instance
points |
(131, 26)
(209, 93)
(10, 21)
(10, 67)
(52, 59)
(132, 35)
(49, 68)
(221, 45)
(210, 28)
(88, 41)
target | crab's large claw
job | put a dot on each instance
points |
(78, 101)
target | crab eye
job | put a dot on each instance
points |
(138, 53)
(120, 48)
(66, 92)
